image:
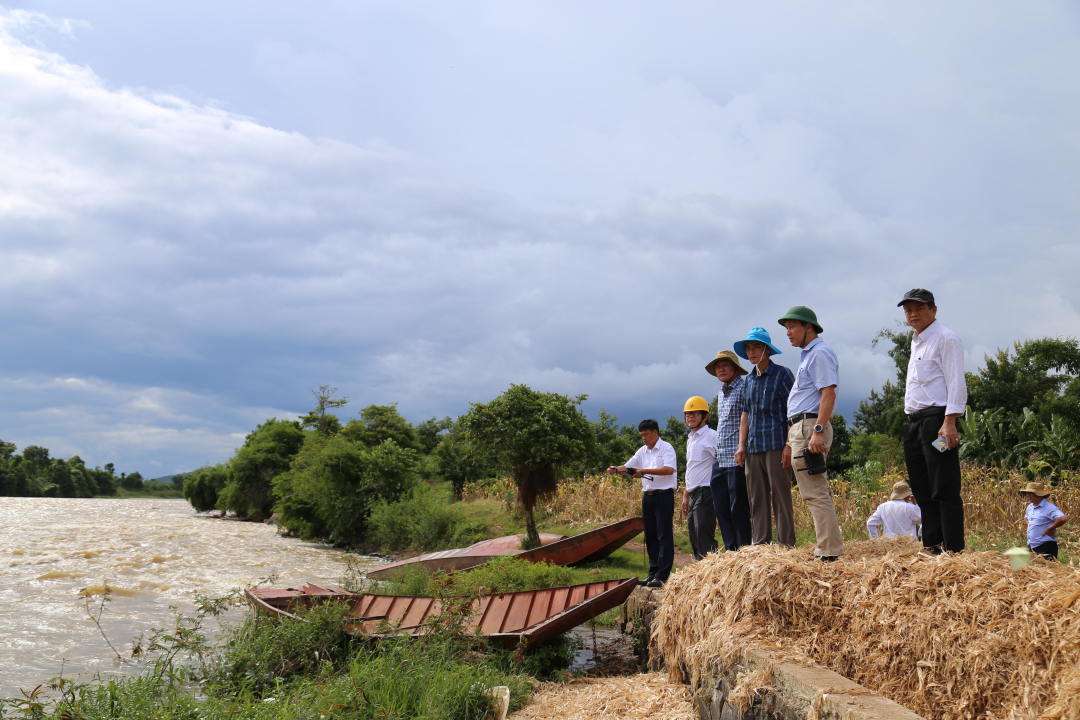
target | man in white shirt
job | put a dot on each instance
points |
(655, 462)
(935, 395)
(697, 501)
(898, 516)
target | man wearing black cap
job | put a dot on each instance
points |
(935, 395)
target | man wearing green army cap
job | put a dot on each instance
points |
(809, 407)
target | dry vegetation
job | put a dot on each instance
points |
(630, 696)
(994, 508)
(952, 636)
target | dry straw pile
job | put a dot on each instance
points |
(635, 697)
(954, 636)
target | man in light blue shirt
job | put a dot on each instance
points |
(809, 407)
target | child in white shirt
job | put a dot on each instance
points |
(898, 516)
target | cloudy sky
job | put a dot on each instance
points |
(207, 210)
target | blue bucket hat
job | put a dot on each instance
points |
(758, 334)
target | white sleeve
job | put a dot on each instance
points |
(952, 365)
(635, 462)
(873, 521)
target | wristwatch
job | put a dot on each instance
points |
(819, 429)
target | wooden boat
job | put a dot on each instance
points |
(511, 619)
(583, 548)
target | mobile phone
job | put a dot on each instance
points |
(941, 444)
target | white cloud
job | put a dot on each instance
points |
(511, 196)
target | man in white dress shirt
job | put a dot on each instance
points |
(656, 464)
(697, 500)
(935, 395)
(898, 516)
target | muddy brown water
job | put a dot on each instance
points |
(151, 553)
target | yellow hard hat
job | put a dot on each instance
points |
(696, 403)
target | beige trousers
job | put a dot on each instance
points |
(814, 489)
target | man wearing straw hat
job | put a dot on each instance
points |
(762, 440)
(898, 516)
(810, 406)
(1043, 519)
(934, 396)
(730, 500)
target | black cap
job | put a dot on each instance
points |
(919, 295)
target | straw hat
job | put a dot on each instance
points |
(1037, 488)
(900, 491)
(725, 355)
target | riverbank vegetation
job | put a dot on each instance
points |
(32, 473)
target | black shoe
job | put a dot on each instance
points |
(646, 581)
(654, 583)
(828, 558)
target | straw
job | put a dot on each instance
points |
(950, 636)
(634, 697)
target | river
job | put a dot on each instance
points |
(151, 553)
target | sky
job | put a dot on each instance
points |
(209, 210)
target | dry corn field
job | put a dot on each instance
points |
(951, 636)
(993, 506)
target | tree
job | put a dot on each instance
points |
(459, 461)
(382, 422)
(615, 443)
(430, 432)
(531, 434)
(884, 412)
(202, 486)
(1038, 374)
(267, 452)
(322, 421)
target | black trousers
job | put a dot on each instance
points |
(935, 481)
(1048, 549)
(658, 510)
(732, 505)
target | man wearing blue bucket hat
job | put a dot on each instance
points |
(763, 448)
(810, 434)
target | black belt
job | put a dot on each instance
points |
(654, 492)
(800, 417)
(925, 413)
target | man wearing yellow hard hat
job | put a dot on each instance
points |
(697, 501)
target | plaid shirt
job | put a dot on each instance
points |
(766, 403)
(730, 402)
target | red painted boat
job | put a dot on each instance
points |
(284, 602)
(583, 548)
(511, 619)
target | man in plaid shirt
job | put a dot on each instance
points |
(730, 501)
(763, 434)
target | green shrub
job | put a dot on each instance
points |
(201, 487)
(423, 521)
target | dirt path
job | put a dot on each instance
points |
(681, 559)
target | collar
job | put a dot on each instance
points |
(726, 388)
(931, 329)
(768, 369)
(811, 344)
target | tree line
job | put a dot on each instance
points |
(33, 473)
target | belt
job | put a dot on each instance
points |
(654, 492)
(925, 413)
(800, 417)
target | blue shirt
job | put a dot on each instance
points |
(1038, 519)
(765, 401)
(818, 368)
(729, 409)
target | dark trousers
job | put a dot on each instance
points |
(657, 510)
(935, 481)
(732, 505)
(701, 522)
(1047, 549)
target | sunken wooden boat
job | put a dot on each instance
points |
(517, 619)
(586, 547)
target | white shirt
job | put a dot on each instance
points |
(897, 516)
(661, 455)
(1039, 517)
(935, 372)
(700, 454)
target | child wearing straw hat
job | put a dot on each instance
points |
(1043, 519)
(898, 516)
